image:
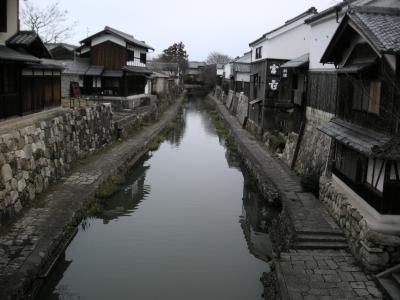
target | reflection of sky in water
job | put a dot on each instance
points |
(175, 231)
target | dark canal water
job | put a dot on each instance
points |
(187, 225)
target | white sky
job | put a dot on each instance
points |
(203, 26)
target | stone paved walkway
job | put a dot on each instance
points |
(324, 274)
(31, 242)
(311, 273)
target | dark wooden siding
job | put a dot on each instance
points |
(258, 90)
(10, 77)
(40, 92)
(352, 88)
(322, 91)
(109, 55)
(3, 15)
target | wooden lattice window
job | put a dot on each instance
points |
(375, 97)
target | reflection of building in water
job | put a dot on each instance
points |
(255, 221)
(174, 137)
(50, 289)
(233, 159)
(126, 201)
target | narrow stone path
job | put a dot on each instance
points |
(29, 244)
(320, 267)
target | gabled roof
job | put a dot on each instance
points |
(23, 38)
(125, 36)
(378, 26)
(66, 46)
(311, 10)
(9, 54)
(31, 42)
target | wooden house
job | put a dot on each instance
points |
(117, 64)
(194, 71)
(29, 81)
(241, 74)
(366, 130)
(269, 52)
(166, 77)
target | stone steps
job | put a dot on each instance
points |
(320, 240)
(390, 282)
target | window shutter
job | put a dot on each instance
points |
(3, 15)
(375, 97)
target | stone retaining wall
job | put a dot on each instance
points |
(376, 251)
(34, 156)
(315, 145)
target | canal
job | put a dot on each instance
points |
(188, 224)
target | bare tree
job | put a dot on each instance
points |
(218, 58)
(50, 23)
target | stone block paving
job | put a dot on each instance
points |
(28, 244)
(325, 274)
(305, 274)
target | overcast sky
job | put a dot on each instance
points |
(203, 26)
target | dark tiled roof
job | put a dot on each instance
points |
(162, 66)
(94, 70)
(380, 25)
(138, 70)
(298, 62)
(112, 73)
(22, 38)
(391, 150)
(69, 47)
(12, 55)
(361, 139)
(78, 66)
(127, 37)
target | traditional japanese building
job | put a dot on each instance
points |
(29, 81)
(117, 64)
(241, 74)
(366, 152)
(269, 52)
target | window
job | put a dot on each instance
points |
(255, 79)
(376, 173)
(367, 96)
(375, 97)
(131, 55)
(143, 58)
(258, 53)
(3, 15)
(351, 164)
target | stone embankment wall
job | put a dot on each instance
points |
(314, 145)
(376, 251)
(236, 103)
(34, 156)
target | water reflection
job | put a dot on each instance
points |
(189, 224)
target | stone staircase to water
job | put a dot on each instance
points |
(389, 281)
(320, 240)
